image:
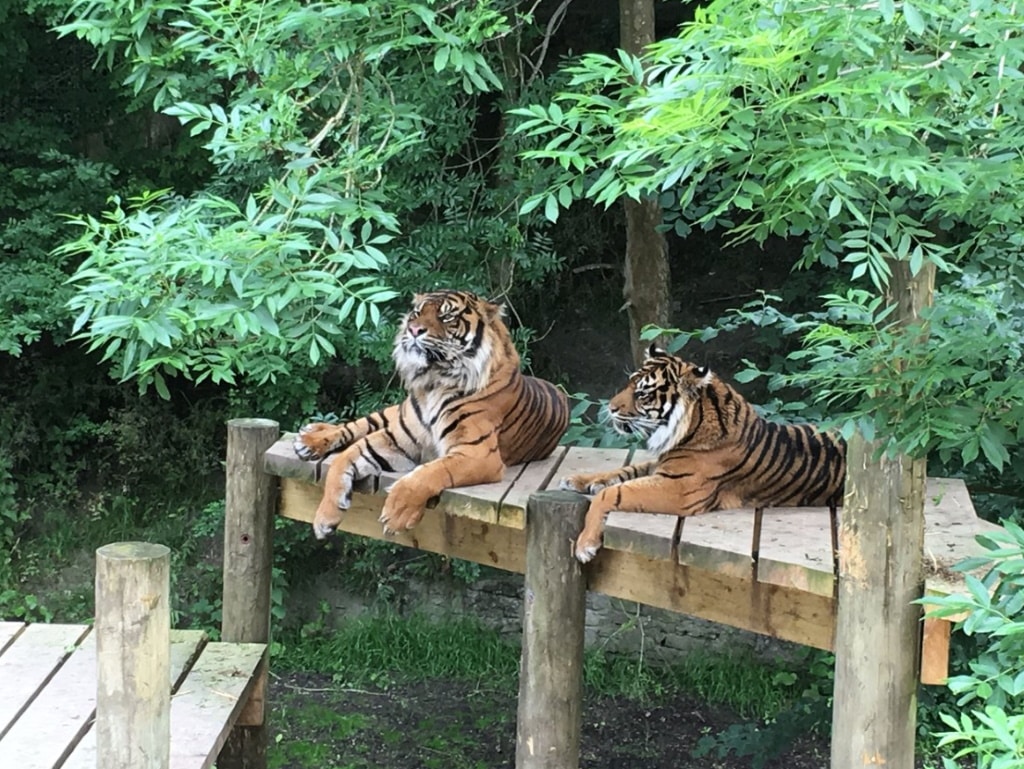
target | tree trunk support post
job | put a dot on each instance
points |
(550, 713)
(878, 627)
(646, 280)
(249, 504)
(133, 656)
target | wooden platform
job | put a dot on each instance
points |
(48, 695)
(772, 573)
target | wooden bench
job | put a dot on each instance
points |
(772, 571)
(130, 692)
(48, 695)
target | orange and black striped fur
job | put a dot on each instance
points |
(468, 413)
(714, 452)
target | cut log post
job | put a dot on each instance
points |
(249, 503)
(878, 627)
(881, 542)
(133, 653)
(551, 668)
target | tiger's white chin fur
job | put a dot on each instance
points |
(467, 375)
(670, 432)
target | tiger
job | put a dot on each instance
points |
(714, 452)
(469, 412)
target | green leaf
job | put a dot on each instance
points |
(551, 208)
(441, 58)
(913, 18)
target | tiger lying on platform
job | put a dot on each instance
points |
(714, 452)
(468, 413)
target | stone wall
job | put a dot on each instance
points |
(612, 624)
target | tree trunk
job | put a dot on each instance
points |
(646, 274)
(881, 539)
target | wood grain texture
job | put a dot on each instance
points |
(935, 651)
(479, 502)
(471, 540)
(186, 646)
(642, 533)
(719, 542)
(28, 663)
(8, 631)
(133, 624)
(786, 613)
(536, 476)
(249, 504)
(210, 700)
(550, 711)
(45, 732)
(795, 549)
(878, 626)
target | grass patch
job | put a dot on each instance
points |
(377, 649)
(373, 648)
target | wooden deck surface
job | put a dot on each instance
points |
(48, 695)
(773, 572)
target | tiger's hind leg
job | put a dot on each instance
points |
(592, 483)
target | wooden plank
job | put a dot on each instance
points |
(643, 533)
(951, 526)
(719, 542)
(780, 612)
(479, 502)
(584, 460)
(935, 651)
(648, 534)
(471, 540)
(8, 630)
(29, 662)
(45, 733)
(796, 549)
(185, 648)
(282, 461)
(536, 476)
(209, 701)
(769, 609)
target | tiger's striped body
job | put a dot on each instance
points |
(468, 413)
(714, 452)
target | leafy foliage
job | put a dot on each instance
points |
(301, 104)
(992, 731)
(328, 127)
(871, 131)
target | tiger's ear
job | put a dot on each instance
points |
(491, 311)
(654, 352)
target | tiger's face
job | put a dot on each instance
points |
(446, 338)
(658, 400)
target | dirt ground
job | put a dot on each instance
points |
(315, 722)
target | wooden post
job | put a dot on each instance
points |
(249, 503)
(878, 628)
(551, 668)
(133, 656)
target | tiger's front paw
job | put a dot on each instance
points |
(587, 545)
(584, 484)
(316, 440)
(326, 521)
(402, 510)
